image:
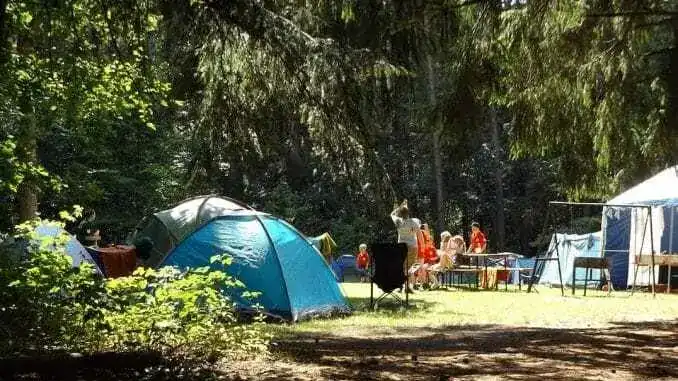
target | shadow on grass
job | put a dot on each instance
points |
(389, 304)
(104, 366)
(642, 350)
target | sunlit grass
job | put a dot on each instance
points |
(436, 309)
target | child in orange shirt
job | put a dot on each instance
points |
(478, 240)
(362, 262)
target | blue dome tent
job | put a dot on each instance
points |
(72, 247)
(269, 256)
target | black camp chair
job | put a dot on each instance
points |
(387, 261)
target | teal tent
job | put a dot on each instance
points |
(269, 255)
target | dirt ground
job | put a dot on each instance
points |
(628, 351)
(637, 351)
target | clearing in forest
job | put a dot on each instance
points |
(479, 335)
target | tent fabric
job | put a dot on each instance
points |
(627, 229)
(270, 257)
(616, 225)
(568, 247)
(326, 245)
(661, 189)
(170, 227)
(73, 248)
(642, 242)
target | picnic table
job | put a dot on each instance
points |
(498, 261)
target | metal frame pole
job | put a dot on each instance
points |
(560, 273)
(536, 259)
(652, 250)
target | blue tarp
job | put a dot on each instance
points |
(270, 257)
(617, 225)
(568, 247)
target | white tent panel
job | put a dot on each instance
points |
(642, 242)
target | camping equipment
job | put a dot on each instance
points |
(387, 261)
(268, 255)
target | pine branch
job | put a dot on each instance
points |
(659, 52)
(633, 14)
(3, 38)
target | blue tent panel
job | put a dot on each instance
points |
(254, 261)
(310, 283)
(617, 222)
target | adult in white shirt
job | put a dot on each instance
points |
(409, 233)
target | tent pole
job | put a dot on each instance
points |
(637, 258)
(536, 259)
(652, 250)
(603, 243)
(560, 273)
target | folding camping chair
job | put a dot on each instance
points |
(386, 270)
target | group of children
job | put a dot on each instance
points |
(424, 260)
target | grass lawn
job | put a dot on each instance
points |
(547, 308)
(482, 335)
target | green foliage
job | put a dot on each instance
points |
(178, 313)
(589, 84)
(49, 305)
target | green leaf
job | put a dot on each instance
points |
(25, 17)
(150, 125)
(152, 22)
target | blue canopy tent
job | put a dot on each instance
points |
(627, 230)
(269, 256)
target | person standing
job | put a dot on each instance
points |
(478, 240)
(409, 233)
(362, 262)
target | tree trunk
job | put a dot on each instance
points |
(3, 32)
(27, 152)
(499, 220)
(437, 159)
(671, 130)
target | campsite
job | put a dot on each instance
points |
(338, 190)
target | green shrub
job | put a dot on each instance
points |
(181, 313)
(46, 304)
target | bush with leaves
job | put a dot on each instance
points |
(182, 313)
(46, 304)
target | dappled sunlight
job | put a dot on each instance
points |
(464, 335)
